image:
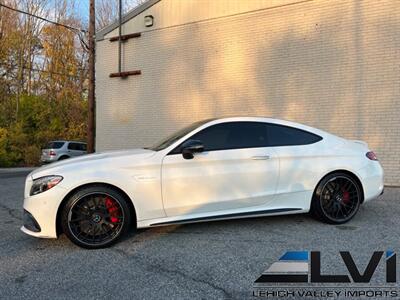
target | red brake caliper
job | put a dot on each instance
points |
(346, 196)
(112, 209)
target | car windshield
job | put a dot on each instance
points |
(54, 145)
(176, 136)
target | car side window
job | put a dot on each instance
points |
(73, 146)
(279, 135)
(82, 147)
(232, 135)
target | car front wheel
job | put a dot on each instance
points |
(95, 217)
(336, 199)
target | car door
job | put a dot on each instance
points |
(73, 149)
(83, 148)
(299, 157)
(236, 170)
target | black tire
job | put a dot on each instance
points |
(63, 157)
(336, 199)
(95, 217)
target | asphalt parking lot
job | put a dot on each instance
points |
(218, 260)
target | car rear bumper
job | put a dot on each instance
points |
(48, 159)
(372, 179)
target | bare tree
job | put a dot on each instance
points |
(107, 11)
(20, 45)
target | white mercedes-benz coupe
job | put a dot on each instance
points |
(211, 170)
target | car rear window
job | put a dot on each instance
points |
(77, 146)
(279, 135)
(54, 145)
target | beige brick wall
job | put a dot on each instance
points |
(168, 13)
(329, 64)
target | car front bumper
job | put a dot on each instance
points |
(40, 214)
(30, 222)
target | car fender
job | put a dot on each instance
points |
(345, 169)
(145, 195)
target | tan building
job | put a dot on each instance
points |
(334, 65)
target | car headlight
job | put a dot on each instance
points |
(45, 183)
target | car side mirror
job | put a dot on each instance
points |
(190, 147)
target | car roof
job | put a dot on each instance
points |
(272, 121)
(65, 141)
(210, 122)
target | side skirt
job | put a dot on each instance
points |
(230, 216)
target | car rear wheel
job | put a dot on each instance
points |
(95, 217)
(336, 199)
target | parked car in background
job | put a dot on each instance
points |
(59, 150)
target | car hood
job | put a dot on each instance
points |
(90, 158)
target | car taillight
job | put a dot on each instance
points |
(371, 155)
(52, 153)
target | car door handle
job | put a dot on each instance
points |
(260, 157)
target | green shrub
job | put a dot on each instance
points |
(40, 121)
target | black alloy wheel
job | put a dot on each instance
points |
(95, 217)
(336, 199)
